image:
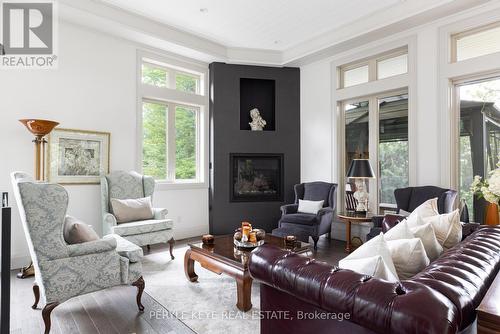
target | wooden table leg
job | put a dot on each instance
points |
(244, 289)
(348, 236)
(189, 267)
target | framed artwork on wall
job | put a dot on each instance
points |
(77, 156)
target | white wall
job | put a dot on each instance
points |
(316, 117)
(94, 88)
(319, 122)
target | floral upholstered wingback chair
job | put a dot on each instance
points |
(131, 185)
(63, 271)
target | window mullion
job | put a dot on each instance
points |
(373, 129)
(171, 79)
(372, 70)
(198, 145)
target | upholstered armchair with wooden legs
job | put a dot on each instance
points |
(131, 185)
(313, 224)
(63, 271)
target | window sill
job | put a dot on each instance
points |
(180, 185)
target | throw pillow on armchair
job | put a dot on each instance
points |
(311, 207)
(77, 232)
(127, 210)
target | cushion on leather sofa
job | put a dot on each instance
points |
(409, 257)
(431, 244)
(372, 258)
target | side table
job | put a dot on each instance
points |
(349, 218)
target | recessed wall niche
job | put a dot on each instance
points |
(260, 94)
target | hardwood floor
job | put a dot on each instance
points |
(114, 310)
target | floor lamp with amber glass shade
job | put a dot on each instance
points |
(40, 128)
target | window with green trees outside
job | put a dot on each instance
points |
(170, 127)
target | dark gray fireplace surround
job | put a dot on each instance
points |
(259, 193)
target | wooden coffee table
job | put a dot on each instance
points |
(224, 257)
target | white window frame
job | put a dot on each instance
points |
(373, 140)
(172, 97)
(403, 82)
(455, 85)
(450, 73)
(372, 63)
(469, 32)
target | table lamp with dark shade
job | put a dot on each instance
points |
(360, 169)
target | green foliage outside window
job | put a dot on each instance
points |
(185, 83)
(154, 148)
(154, 76)
(393, 158)
(155, 127)
(185, 143)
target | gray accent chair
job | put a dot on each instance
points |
(64, 271)
(131, 185)
(314, 225)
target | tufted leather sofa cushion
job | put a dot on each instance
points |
(440, 299)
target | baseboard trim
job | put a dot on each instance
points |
(17, 262)
(189, 232)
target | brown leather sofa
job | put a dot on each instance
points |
(300, 295)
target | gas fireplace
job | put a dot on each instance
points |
(256, 177)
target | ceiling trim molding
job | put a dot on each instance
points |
(344, 39)
(139, 29)
(254, 56)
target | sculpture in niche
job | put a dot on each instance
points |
(257, 123)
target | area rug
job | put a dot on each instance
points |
(207, 306)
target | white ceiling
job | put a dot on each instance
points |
(265, 32)
(264, 24)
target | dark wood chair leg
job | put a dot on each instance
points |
(171, 242)
(140, 288)
(47, 310)
(36, 292)
(315, 239)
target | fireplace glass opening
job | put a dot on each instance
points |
(256, 177)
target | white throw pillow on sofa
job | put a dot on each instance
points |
(400, 231)
(447, 228)
(310, 206)
(372, 258)
(425, 233)
(409, 256)
(427, 209)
